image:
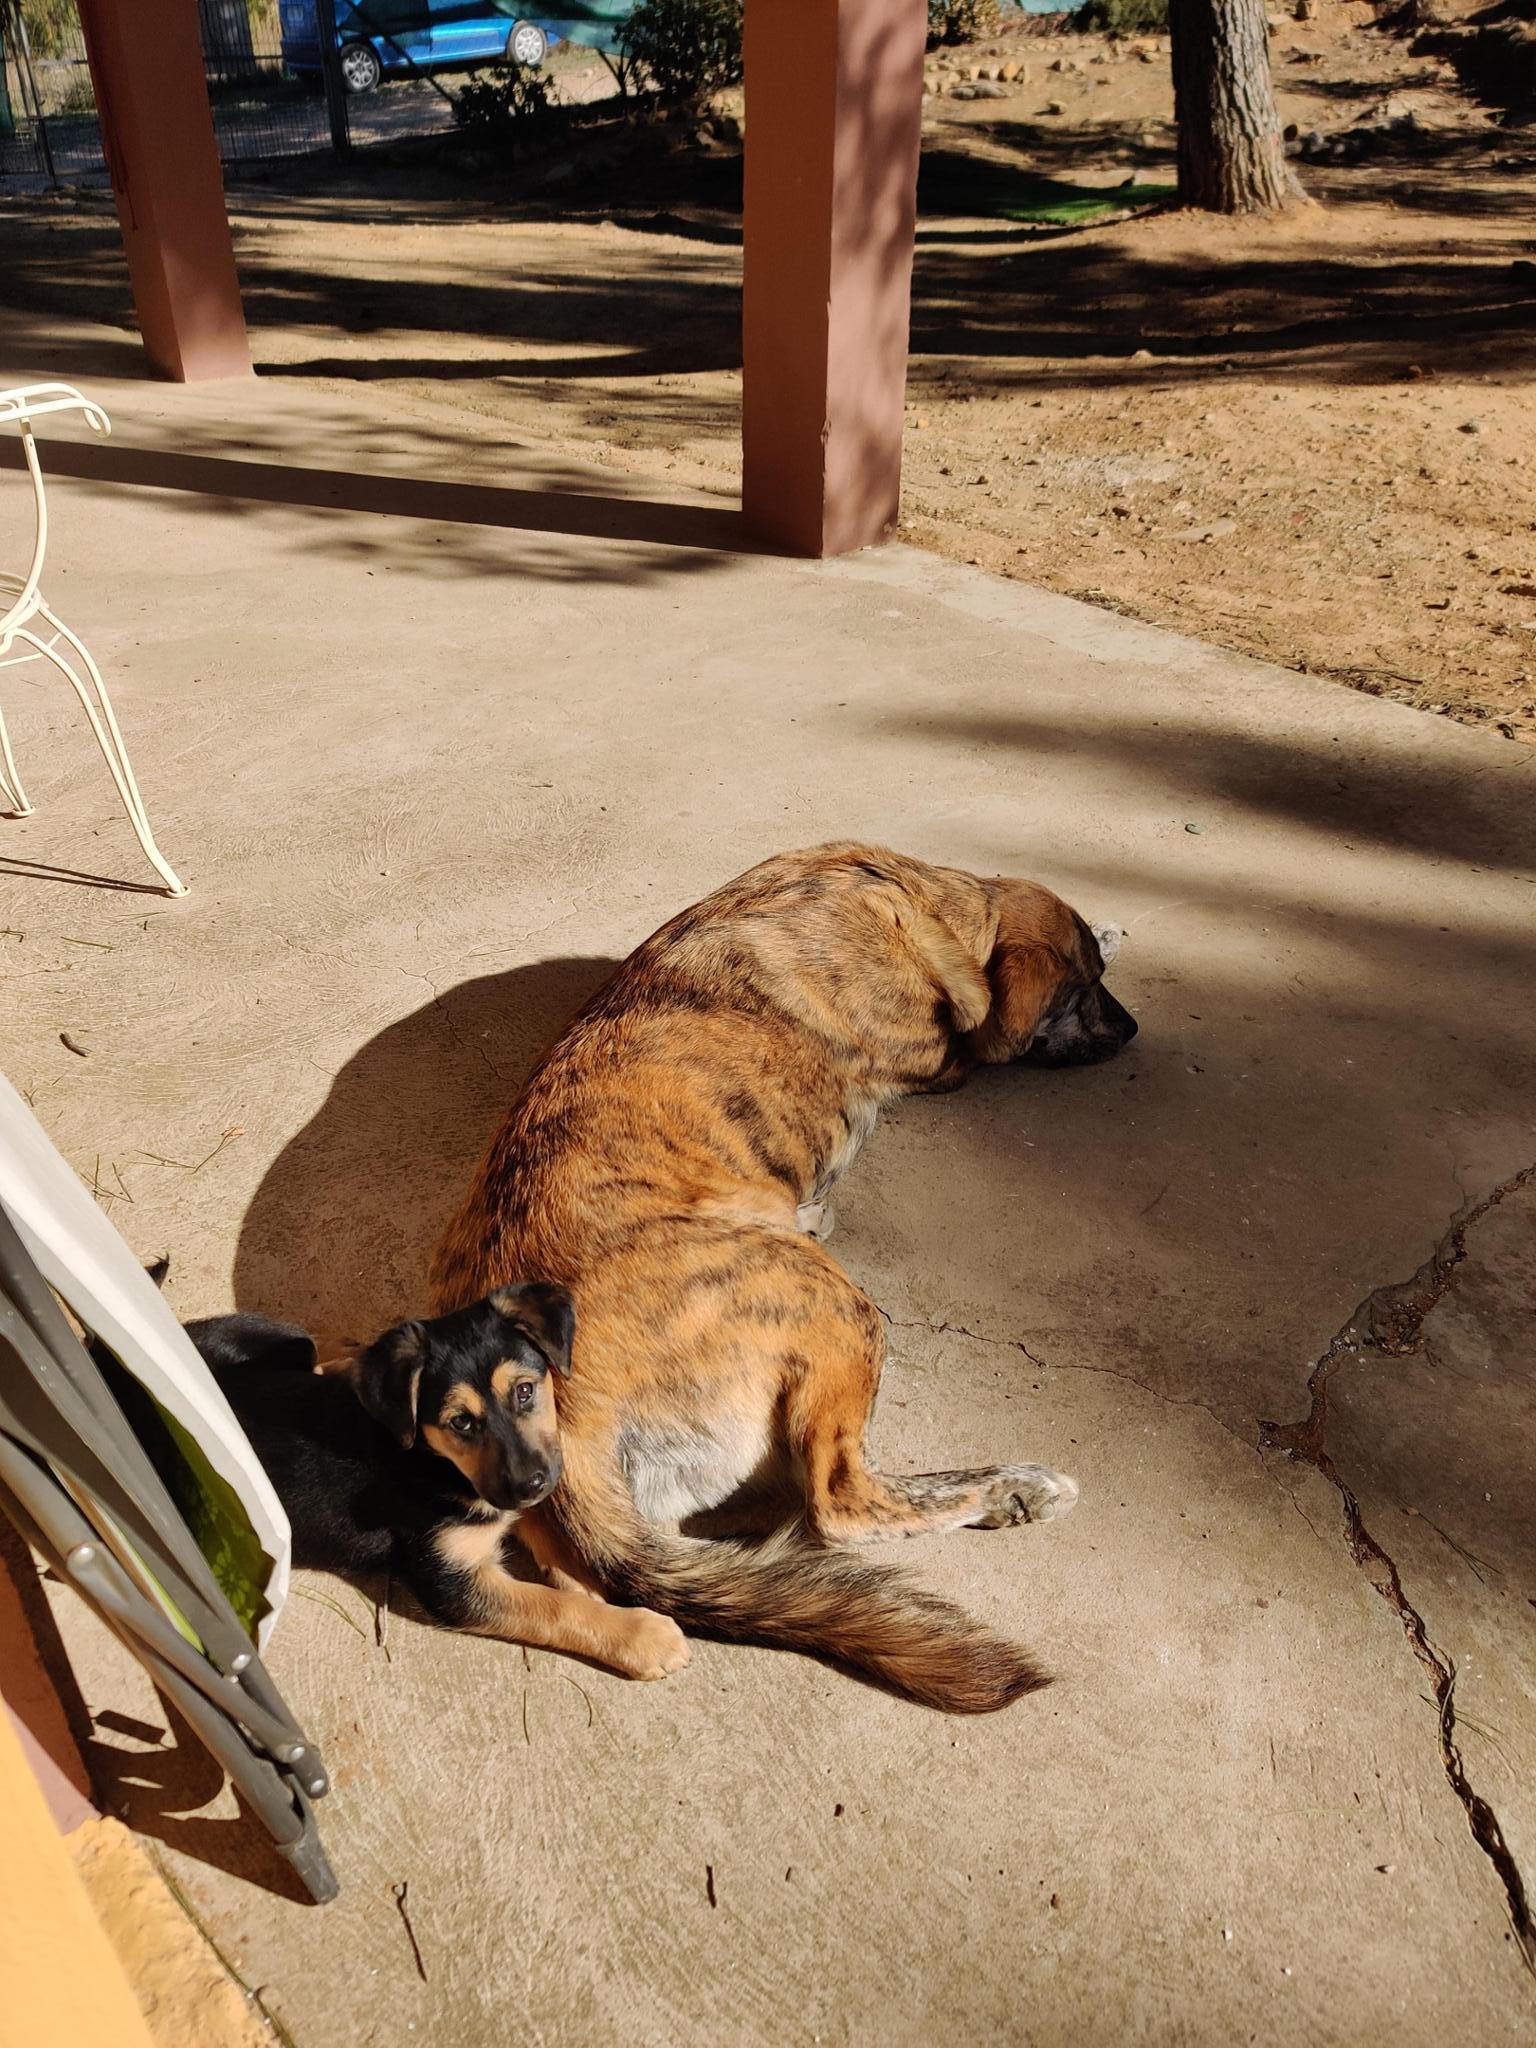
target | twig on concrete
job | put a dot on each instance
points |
(185, 1165)
(69, 1045)
(400, 1890)
(584, 1693)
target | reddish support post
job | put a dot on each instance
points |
(834, 119)
(146, 63)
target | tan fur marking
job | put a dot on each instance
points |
(477, 1461)
(463, 1395)
(473, 1545)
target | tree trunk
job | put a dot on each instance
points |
(1231, 153)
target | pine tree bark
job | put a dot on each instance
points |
(1231, 151)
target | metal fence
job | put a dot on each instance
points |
(261, 110)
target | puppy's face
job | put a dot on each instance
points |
(475, 1387)
(1082, 1023)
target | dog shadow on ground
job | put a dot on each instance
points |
(340, 1232)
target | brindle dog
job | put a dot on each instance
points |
(669, 1163)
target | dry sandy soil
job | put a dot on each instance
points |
(1308, 439)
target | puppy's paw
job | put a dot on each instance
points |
(654, 1645)
(1026, 1493)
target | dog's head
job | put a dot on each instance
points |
(475, 1387)
(1050, 1007)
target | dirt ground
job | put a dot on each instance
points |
(1306, 439)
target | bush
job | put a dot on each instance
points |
(1123, 17)
(689, 49)
(962, 21)
(502, 108)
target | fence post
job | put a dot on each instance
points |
(335, 84)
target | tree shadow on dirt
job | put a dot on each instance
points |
(1033, 301)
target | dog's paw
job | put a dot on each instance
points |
(1026, 1493)
(654, 1645)
(816, 1219)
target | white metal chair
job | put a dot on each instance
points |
(21, 603)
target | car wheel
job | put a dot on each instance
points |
(527, 45)
(360, 67)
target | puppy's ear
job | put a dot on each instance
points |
(387, 1376)
(547, 1313)
(230, 1342)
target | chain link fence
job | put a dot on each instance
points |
(263, 108)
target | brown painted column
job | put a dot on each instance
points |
(834, 116)
(157, 131)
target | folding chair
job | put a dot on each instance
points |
(89, 1456)
(22, 605)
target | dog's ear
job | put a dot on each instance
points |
(226, 1342)
(548, 1315)
(1024, 972)
(387, 1376)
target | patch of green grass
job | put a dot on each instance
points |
(984, 189)
(1057, 204)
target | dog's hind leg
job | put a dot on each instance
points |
(847, 1501)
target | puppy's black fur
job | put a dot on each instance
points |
(349, 1453)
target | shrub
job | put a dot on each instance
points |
(501, 108)
(962, 21)
(689, 49)
(1123, 17)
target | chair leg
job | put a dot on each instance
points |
(11, 791)
(104, 725)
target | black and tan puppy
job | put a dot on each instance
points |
(669, 1162)
(420, 1457)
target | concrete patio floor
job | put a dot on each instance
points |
(428, 768)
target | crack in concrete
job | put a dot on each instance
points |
(1389, 1322)
(1042, 1365)
(439, 1003)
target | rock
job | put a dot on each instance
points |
(1215, 529)
(962, 92)
(1147, 56)
(1304, 10)
(988, 89)
(1010, 71)
(1054, 107)
(1058, 64)
(1142, 355)
(1472, 427)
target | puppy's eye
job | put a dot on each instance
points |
(463, 1424)
(523, 1395)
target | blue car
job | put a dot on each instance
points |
(380, 38)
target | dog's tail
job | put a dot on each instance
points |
(791, 1594)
